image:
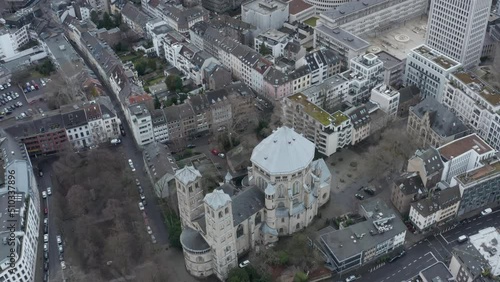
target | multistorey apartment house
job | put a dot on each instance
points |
(457, 29)
(11, 40)
(81, 125)
(476, 104)
(134, 18)
(365, 72)
(329, 132)
(20, 203)
(178, 18)
(428, 69)
(286, 188)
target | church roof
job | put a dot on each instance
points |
(187, 174)
(283, 152)
(192, 240)
(217, 199)
(247, 203)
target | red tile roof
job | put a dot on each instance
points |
(297, 6)
(139, 98)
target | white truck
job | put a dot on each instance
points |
(116, 141)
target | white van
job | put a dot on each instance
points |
(462, 239)
(486, 211)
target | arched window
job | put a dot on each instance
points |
(281, 191)
(199, 259)
(298, 226)
(239, 231)
(226, 210)
(295, 189)
(190, 189)
(281, 205)
(258, 218)
(220, 214)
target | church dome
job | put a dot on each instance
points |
(283, 152)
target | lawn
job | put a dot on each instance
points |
(311, 21)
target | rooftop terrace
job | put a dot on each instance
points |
(317, 113)
(437, 58)
(487, 170)
(490, 95)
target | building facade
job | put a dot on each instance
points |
(386, 98)
(265, 14)
(428, 70)
(460, 36)
(283, 198)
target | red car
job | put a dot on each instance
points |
(46, 211)
(215, 152)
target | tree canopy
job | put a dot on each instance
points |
(174, 82)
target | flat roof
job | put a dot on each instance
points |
(436, 272)
(344, 37)
(485, 91)
(486, 242)
(317, 113)
(436, 57)
(297, 6)
(266, 7)
(388, 59)
(351, 8)
(362, 236)
(458, 147)
(489, 169)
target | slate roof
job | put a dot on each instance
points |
(283, 152)
(431, 159)
(408, 93)
(199, 58)
(199, 103)
(359, 116)
(276, 77)
(192, 240)
(247, 203)
(410, 183)
(217, 95)
(439, 200)
(217, 199)
(135, 14)
(187, 174)
(185, 111)
(470, 258)
(74, 118)
(442, 120)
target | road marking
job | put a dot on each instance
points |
(468, 228)
(420, 258)
(414, 261)
(404, 267)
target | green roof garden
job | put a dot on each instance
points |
(317, 113)
(486, 92)
(311, 21)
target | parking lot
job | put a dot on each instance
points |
(15, 99)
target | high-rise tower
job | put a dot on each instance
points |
(457, 28)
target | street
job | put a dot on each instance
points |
(428, 251)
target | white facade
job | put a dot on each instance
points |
(273, 39)
(457, 28)
(386, 98)
(360, 17)
(265, 14)
(427, 213)
(140, 124)
(323, 5)
(428, 69)
(25, 220)
(330, 93)
(365, 72)
(80, 136)
(11, 40)
(476, 104)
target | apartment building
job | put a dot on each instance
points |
(265, 14)
(361, 121)
(346, 44)
(394, 69)
(437, 209)
(134, 18)
(381, 232)
(429, 166)
(365, 72)
(277, 85)
(177, 17)
(329, 132)
(464, 154)
(432, 124)
(10, 42)
(77, 128)
(274, 40)
(428, 69)
(139, 119)
(322, 63)
(457, 29)
(476, 103)
(407, 188)
(386, 98)
(330, 94)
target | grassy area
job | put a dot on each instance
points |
(155, 80)
(311, 109)
(130, 57)
(311, 21)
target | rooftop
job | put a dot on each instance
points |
(192, 240)
(437, 272)
(381, 225)
(297, 6)
(470, 258)
(485, 91)
(486, 242)
(247, 203)
(410, 183)
(345, 38)
(462, 145)
(438, 201)
(431, 159)
(441, 119)
(283, 152)
(489, 169)
(433, 55)
(266, 7)
(350, 8)
(388, 59)
(317, 113)
(187, 174)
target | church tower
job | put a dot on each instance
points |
(269, 233)
(189, 194)
(220, 232)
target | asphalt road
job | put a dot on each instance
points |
(428, 251)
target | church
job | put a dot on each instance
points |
(282, 195)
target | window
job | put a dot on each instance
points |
(258, 218)
(220, 215)
(226, 210)
(296, 188)
(281, 191)
(239, 231)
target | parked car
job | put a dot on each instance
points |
(143, 198)
(359, 196)
(141, 206)
(46, 266)
(221, 155)
(191, 146)
(486, 211)
(369, 191)
(49, 191)
(46, 238)
(46, 211)
(44, 194)
(244, 263)
(45, 247)
(462, 239)
(116, 141)
(60, 248)
(63, 265)
(215, 152)
(148, 228)
(137, 182)
(59, 239)
(351, 278)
